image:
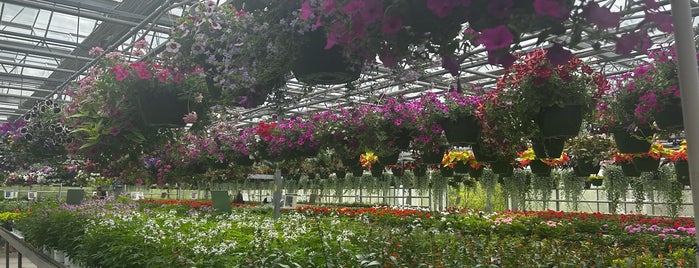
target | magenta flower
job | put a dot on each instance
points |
(496, 38)
(142, 70)
(662, 21)
(114, 131)
(329, 6)
(388, 59)
(120, 72)
(190, 118)
(441, 8)
(391, 24)
(450, 64)
(353, 6)
(306, 11)
(178, 77)
(500, 9)
(550, 8)
(602, 17)
(373, 10)
(502, 58)
(557, 55)
(638, 41)
(163, 75)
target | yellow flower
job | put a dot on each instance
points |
(367, 159)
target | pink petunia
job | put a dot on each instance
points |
(353, 6)
(306, 11)
(391, 24)
(600, 16)
(142, 70)
(496, 38)
(373, 10)
(163, 75)
(500, 9)
(120, 72)
(441, 8)
(550, 8)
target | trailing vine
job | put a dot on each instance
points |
(573, 187)
(517, 188)
(542, 187)
(616, 185)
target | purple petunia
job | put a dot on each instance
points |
(496, 38)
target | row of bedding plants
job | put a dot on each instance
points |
(124, 233)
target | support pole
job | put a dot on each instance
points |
(277, 198)
(689, 83)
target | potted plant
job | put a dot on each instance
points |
(430, 143)
(540, 166)
(246, 53)
(628, 110)
(398, 31)
(503, 133)
(650, 93)
(456, 114)
(290, 139)
(555, 96)
(679, 158)
(39, 137)
(625, 162)
(109, 113)
(587, 151)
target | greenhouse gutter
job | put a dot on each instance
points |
(689, 81)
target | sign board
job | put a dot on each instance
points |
(222, 201)
(75, 196)
(10, 194)
(32, 195)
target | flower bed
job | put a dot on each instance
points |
(135, 234)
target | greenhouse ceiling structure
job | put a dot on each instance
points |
(44, 47)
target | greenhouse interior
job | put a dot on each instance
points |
(348, 133)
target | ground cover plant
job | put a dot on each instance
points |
(125, 233)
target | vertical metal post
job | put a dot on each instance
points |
(19, 260)
(689, 83)
(277, 198)
(7, 254)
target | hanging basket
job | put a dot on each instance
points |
(682, 171)
(629, 143)
(540, 168)
(420, 171)
(596, 182)
(559, 122)
(670, 117)
(646, 164)
(446, 171)
(340, 173)
(502, 168)
(463, 130)
(461, 168)
(357, 171)
(548, 147)
(584, 168)
(482, 154)
(377, 170)
(319, 66)
(430, 157)
(397, 171)
(161, 108)
(629, 169)
(476, 173)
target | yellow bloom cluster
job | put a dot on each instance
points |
(367, 159)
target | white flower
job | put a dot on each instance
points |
(172, 47)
